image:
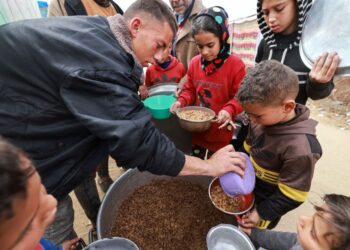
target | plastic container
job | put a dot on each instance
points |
(159, 105)
(233, 184)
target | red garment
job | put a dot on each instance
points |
(173, 73)
(215, 91)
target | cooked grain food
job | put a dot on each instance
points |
(224, 202)
(195, 115)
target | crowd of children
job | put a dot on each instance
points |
(281, 139)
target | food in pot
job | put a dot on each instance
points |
(224, 202)
(168, 214)
(195, 115)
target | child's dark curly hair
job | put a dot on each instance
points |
(13, 177)
(338, 206)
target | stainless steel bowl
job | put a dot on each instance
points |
(115, 243)
(327, 29)
(228, 237)
(162, 89)
(195, 126)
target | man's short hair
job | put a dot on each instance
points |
(13, 178)
(157, 9)
(268, 83)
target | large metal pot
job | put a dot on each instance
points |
(327, 29)
(123, 187)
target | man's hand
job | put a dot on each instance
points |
(250, 219)
(324, 68)
(70, 244)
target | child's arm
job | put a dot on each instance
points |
(273, 240)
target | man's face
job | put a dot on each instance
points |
(179, 6)
(151, 40)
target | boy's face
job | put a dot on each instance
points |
(280, 15)
(316, 232)
(268, 115)
(150, 39)
(31, 215)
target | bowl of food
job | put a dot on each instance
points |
(159, 105)
(226, 236)
(237, 205)
(195, 118)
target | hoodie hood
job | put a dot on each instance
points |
(303, 7)
(300, 124)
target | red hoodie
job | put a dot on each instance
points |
(215, 91)
(173, 73)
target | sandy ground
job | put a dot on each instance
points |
(332, 173)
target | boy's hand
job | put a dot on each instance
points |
(250, 219)
(70, 244)
(248, 231)
(223, 117)
(175, 106)
(324, 68)
(143, 92)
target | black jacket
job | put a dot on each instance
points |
(68, 97)
(76, 8)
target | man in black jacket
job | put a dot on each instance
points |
(68, 97)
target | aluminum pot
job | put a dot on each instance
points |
(162, 89)
(115, 243)
(195, 126)
(123, 187)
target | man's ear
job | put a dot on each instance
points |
(134, 26)
(288, 105)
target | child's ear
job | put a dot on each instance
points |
(288, 105)
(134, 26)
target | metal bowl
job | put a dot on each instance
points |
(325, 31)
(162, 89)
(195, 126)
(228, 237)
(115, 243)
(246, 201)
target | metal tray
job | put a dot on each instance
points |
(327, 29)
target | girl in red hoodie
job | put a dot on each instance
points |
(213, 79)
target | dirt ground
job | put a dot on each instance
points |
(332, 173)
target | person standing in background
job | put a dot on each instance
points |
(184, 47)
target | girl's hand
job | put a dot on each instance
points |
(250, 219)
(175, 106)
(324, 68)
(223, 117)
(70, 244)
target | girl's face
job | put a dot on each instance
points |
(280, 15)
(208, 45)
(316, 232)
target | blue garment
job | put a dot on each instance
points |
(48, 245)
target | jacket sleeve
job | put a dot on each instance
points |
(113, 112)
(188, 94)
(317, 91)
(274, 240)
(233, 107)
(293, 186)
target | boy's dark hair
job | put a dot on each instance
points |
(157, 9)
(205, 23)
(338, 206)
(13, 178)
(268, 83)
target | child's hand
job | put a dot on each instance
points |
(250, 219)
(324, 68)
(248, 231)
(143, 92)
(175, 106)
(223, 117)
(70, 244)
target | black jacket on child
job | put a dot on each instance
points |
(285, 49)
